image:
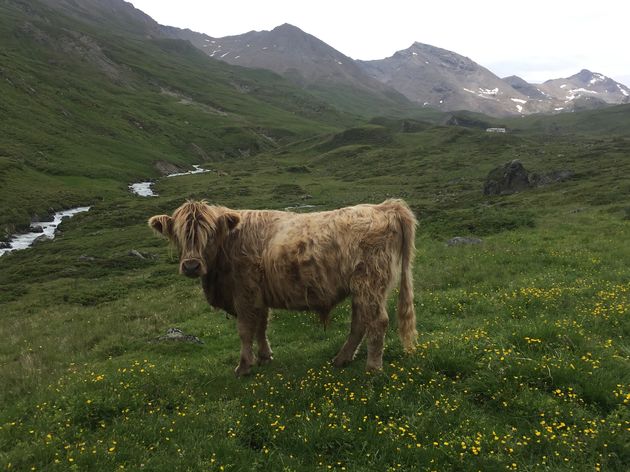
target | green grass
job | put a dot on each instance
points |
(522, 359)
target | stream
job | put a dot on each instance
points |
(43, 229)
(46, 229)
(144, 189)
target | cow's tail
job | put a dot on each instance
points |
(406, 312)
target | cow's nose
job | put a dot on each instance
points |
(191, 266)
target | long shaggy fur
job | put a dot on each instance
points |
(253, 260)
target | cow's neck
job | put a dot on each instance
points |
(214, 286)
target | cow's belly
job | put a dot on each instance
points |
(302, 281)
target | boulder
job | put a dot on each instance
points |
(506, 179)
(176, 334)
(461, 240)
(166, 168)
(512, 177)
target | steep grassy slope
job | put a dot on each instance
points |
(522, 357)
(613, 121)
(80, 102)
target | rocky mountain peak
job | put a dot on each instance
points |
(586, 89)
(442, 79)
(585, 76)
(288, 28)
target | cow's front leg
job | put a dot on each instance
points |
(265, 355)
(357, 331)
(246, 331)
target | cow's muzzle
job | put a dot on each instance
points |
(191, 268)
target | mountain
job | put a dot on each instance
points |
(117, 15)
(531, 91)
(435, 77)
(306, 61)
(585, 89)
(425, 75)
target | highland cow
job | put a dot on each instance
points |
(252, 260)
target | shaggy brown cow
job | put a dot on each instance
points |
(252, 260)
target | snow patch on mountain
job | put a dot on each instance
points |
(597, 78)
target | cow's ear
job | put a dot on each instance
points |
(231, 220)
(162, 224)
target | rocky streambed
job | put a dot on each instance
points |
(39, 230)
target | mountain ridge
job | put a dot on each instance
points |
(305, 60)
(426, 75)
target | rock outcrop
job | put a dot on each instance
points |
(512, 177)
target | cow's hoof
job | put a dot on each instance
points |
(341, 361)
(242, 370)
(374, 368)
(264, 360)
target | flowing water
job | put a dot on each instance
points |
(144, 189)
(44, 229)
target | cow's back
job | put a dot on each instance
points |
(309, 259)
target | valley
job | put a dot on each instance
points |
(522, 356)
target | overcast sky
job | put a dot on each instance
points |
(534, 39)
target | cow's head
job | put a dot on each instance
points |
(198, 231)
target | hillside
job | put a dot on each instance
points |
(523, 348)
(88, 107)
(307, 62)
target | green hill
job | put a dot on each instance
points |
(86, 110)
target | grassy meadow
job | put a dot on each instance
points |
(522, 358)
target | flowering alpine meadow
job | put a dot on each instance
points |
(526, 372)
(522, 360)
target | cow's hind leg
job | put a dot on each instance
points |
(377, 322)
(370, 286)
(357, 331)
(265, 355)
(246, 331)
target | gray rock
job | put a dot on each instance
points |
(84, 258)
(136, 253)
(461, 240)
(539, 180)
(5, 245)
(506, 179)
(166, 168)
(176, 334)
(512, 177)
(39, 239)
